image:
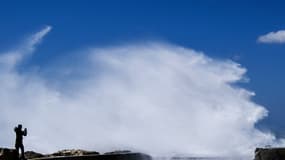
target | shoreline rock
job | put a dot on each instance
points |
(269, 154)
(8, 154)
(78, 154)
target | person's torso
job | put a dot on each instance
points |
(19, 134)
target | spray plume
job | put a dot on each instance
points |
(156, 98)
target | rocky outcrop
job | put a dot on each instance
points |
(118, 152)
(62, 153)
(73, 152)
(269, 154)
(87, 155)
(127, 156)
(8, 154)
(32, 155)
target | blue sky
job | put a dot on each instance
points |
(221, 29)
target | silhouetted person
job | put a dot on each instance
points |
(19, 139)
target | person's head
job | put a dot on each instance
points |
(19, 126)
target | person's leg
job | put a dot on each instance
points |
(22, 151)
(17, 149)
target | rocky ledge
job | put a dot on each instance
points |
(72, 154)
(8, 154)
(269, 154)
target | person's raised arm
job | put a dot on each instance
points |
(25, 132)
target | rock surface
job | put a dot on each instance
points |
(126, 156)
(269, 154)
(62, 153)
(11, 154)
(8, 154)
(118, 152)
(87, 155)
(32, 154)
(73, 152)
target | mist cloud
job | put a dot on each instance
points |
(11, 58)
(153, 97)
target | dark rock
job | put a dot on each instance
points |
(8, 154)
(32, 154)
(118, 152)
(124, 156)
(11, 154)
(73, 152)
(269, 154)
